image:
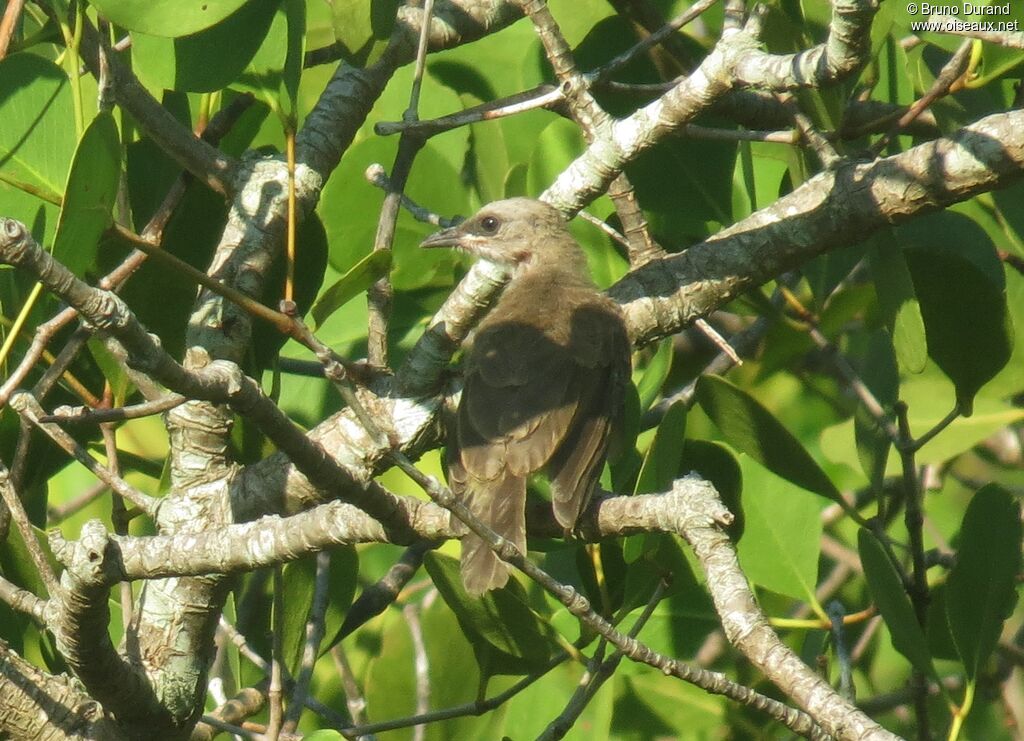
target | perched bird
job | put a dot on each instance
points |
(544, 378)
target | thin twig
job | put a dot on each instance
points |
(542, 96)
(315, 627)
(605, 70)
(376, 176)
(28, 535)
(918, 586)
(948, 80)
(27, 406)
(85, 415)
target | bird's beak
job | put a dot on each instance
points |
(450, 237)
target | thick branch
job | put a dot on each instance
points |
(40, 705)
(831, 210)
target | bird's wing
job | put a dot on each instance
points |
(517, 401)
(601, 347)
(531, 402)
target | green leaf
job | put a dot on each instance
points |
(360, 276)
(780, 545)
(881, 376)
(669, 709)
(650, 380)
(179, 18)
(981, 590)
(899, 304)
(751, 428)
(298, 582)
(825, 272)
(273, 73)
(929, 398)
(661, 463)
(37, 138)
(358, 24)
(962, 289)
(391, 678)
(500, 623)
(558, 145)
(341, 588)
(660, 467)
(114, 372)
(892, 601)
(208, 60)
(299, 585)
(89, 195)
(349, 207)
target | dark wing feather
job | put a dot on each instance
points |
(601, 347)
(517, 401)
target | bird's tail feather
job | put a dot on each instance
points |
(501, 506)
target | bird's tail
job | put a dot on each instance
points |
(501, 506)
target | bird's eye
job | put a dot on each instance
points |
(490, 224)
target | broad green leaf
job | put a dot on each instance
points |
(341, 587)
(38, 216)
(360, 276)
(310, 265)
(293, 63)
(751, 428)
(391, 678)
(208, 60)
(960, 283)
(660, 467)
(558, 145)
(89, 195)
(902, 312)
(685, 203)
(892, 601)
(179, 18)
(298, 581)
(981, 591)
(940, 640)
(299, 585)
(362, 26)
(273, 73)
(490, 156)
(114, 372)
(349, 208)
(528, 713)
(650, 380)
(881, 376)
(671, 709)
(838, 442)
(686, 614)
(661, 463)
(500, 622)
(780, 545)
(17, 565)
(37, 138)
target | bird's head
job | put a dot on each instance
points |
(517, 233)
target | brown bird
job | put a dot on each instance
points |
(544, 379)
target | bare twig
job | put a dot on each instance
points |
(11, 15)
(86, 415)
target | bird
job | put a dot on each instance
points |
(544, 378)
